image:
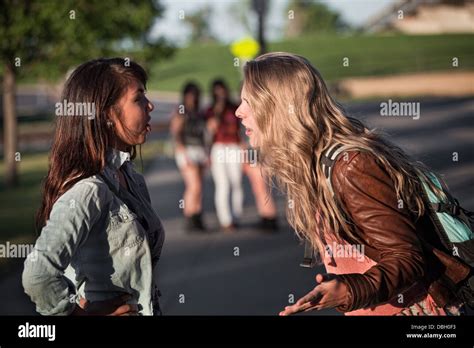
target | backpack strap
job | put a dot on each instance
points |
(308, 257)
(454, 209)
(328, 159)
(451, 207)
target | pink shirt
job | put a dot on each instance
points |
(338, 262)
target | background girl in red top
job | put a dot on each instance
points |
(226, 166)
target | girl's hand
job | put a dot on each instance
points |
(331, 292)
(181, 149)
(115, 307)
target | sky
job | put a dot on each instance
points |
(226, 25)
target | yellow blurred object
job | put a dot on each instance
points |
(246, 48)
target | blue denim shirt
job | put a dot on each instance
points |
(95, 247)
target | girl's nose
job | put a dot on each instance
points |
(151, 107)
(238, 113)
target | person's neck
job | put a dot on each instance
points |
(121, 146)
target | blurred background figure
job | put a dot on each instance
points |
(226, 166)
(188, 128)
(263, 198)
(266, 207)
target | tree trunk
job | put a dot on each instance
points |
(261, 7)
(261, 33)
(9, 125)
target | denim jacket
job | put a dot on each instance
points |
(94, 246)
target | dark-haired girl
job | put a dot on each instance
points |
(100, 239)
(188, 128)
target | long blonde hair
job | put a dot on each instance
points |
(298, 121)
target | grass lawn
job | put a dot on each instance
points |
(368, 55)
(18, 205)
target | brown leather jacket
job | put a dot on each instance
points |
(390, 235)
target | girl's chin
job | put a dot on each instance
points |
(252, 141)
(140, 140)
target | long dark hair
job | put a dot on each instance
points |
(80, 144)
(219, 82)
(192, 87)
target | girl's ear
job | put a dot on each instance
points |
(113, 114)
(109, 118)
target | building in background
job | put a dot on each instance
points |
(425, 17)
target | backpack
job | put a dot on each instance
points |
(453, 224)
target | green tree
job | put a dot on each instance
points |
(199, 23)
(309, 16)
(46, 38)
